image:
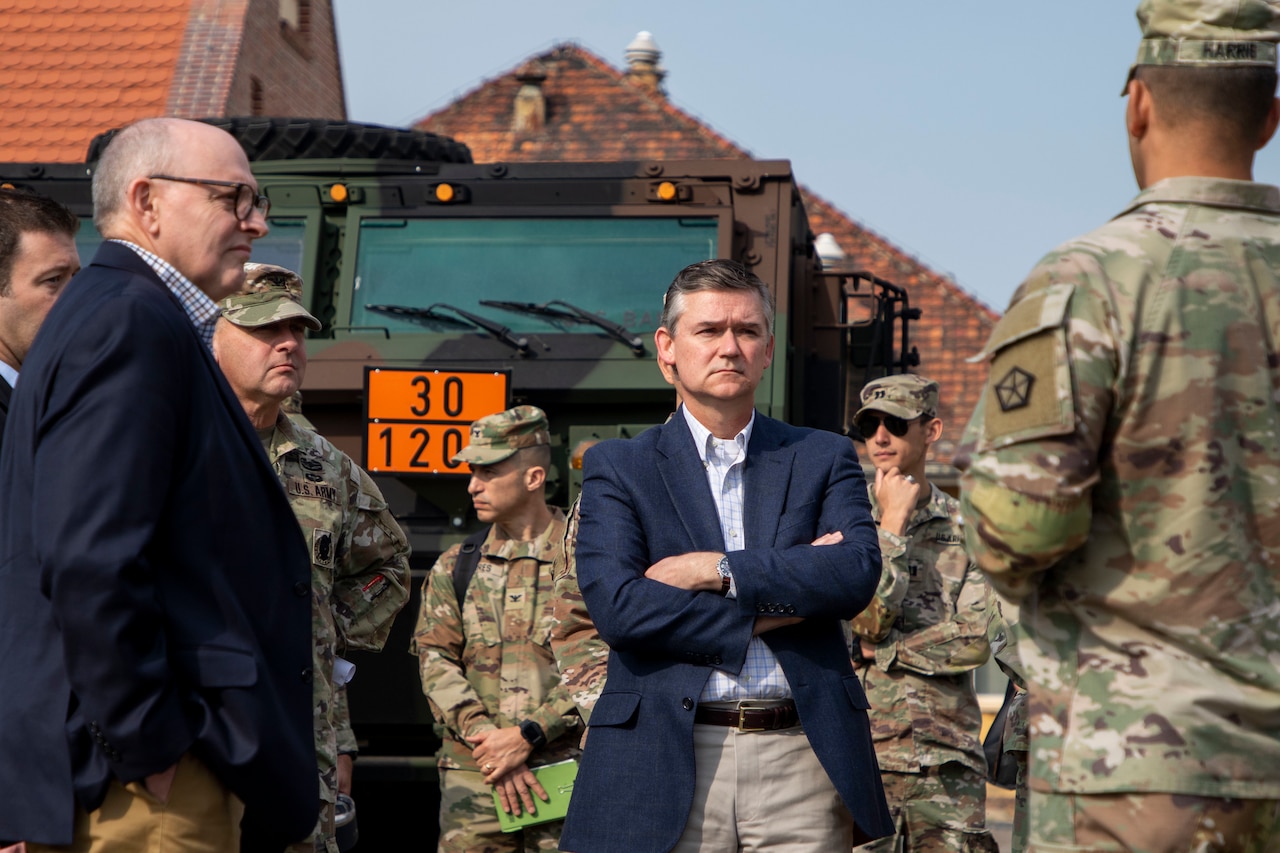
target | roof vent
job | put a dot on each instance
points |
(531, 104)
(643, 69)
(829, 251)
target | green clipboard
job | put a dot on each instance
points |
(557, 780)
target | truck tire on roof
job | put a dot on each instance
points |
(268, 138)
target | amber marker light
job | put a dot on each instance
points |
(339, 193)
(666, 191)
(444, 192)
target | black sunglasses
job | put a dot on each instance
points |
(868, 422)
(247, 199)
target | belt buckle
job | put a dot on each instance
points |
(743, 707)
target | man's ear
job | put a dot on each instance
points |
(1269, 126)
(665, 345)
(1137, 111)
(934, 431)
(143, 204)
(535, 477)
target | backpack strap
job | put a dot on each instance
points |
(465, 567)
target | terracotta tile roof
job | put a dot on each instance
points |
(954, 324)
(70, 68)
(594, 112)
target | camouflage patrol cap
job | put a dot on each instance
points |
(905, 395)
(495, 437)
(1208, 33)
(270, 294)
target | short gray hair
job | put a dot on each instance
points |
(717, 274)
(136, 151)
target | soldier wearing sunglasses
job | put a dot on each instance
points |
(923, 634)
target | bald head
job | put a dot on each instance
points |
(171, 186)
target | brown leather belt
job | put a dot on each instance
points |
(750, 718)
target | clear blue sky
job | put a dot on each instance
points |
(975, 136)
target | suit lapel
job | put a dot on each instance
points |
(112, 254)
(685, 479)
(765, 481)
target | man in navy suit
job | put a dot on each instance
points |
(155, 620)
(718, 556)
(37, 258)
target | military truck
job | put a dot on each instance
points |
(451, 289)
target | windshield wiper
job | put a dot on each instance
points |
(468, 321)
(420, 314)
(576, 314)
(498, 330)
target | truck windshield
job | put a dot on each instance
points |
(283, 246)
(616, 268)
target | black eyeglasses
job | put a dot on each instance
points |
(868, 422)
(247, 199)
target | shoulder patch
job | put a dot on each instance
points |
(1028, 393)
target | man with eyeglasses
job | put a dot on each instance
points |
(925, 631)
(156, 615)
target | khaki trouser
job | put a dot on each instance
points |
(201, 816)
(762, 791)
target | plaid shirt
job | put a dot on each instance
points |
(761, 676)
(201, 310)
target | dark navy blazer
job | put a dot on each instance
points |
(648, 498)
(155, 589)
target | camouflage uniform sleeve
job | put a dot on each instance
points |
(438, 642)
(873, 624)
(370, 587)
(580, 653)
(1029, 454)
(950, 647)
(342, 723)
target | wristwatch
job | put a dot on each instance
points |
(533, 733)
(726, 579)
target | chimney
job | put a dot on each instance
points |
(643, 69)
(531, 104)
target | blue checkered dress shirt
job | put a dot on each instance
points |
(761, 676)
(201, 310)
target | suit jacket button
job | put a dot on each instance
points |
(686, 703)
(305, 675)
(300, 589)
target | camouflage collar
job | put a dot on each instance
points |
(285, 439)
(1211, 192)
(542, 549)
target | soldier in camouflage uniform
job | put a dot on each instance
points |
(581, 655)
(359, 554)
(1123, 479)
(922, 635)
(486, 662)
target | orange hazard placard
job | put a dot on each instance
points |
(417, 420)
(441, 396)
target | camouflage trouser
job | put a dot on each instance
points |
(469, 821)
(1021, 811)
(939, 811)
(1152, 823)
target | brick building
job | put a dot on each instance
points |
(70, 69)
(568, 104)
